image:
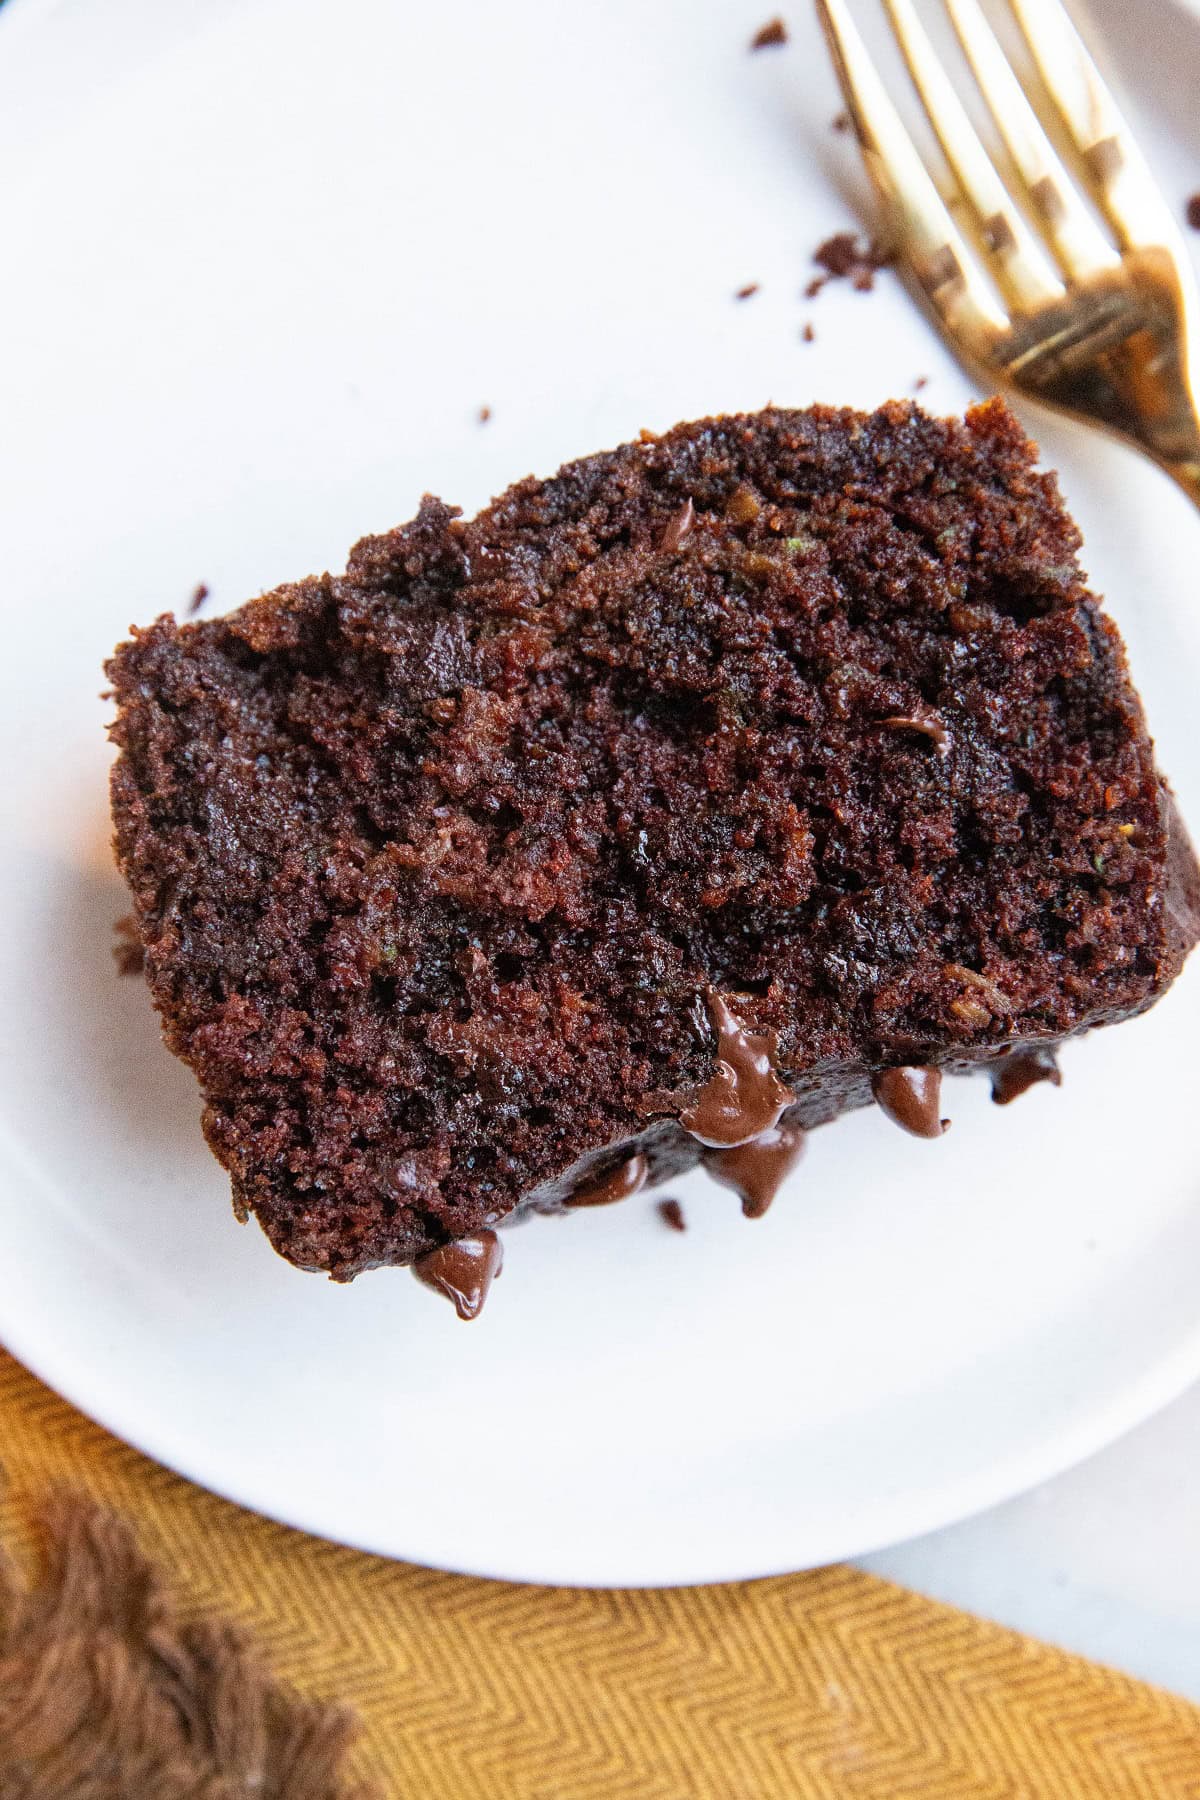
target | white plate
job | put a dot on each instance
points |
(261, 277)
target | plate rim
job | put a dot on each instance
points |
(922, 1510)
(919, 1510)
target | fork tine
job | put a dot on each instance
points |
(1120, 179)
(936, 250)
(1019, 264)
(1079, 244)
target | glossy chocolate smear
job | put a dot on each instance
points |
(617, 1184)
(463, 1271)
(911, 1098)
(744, 1096)
(1019, 1070)
(756, 1171)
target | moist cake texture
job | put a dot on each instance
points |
(689, 797)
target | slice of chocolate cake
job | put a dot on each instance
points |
(670, 807)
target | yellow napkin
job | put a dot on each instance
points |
(825, 1686)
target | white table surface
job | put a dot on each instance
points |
(1105, 1560)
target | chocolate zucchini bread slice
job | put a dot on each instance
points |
(674, 805)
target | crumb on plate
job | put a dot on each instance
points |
(767, 36)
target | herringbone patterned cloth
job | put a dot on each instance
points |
(826, 1686)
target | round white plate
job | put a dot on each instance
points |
(263, 270)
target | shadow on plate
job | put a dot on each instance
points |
(133, 1073)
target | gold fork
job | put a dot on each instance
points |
(1103, 325)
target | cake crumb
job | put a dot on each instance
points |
(922, 381)
(1193, 212)
(807, 334)
(484, 414)
(843, 257)
(842, 122)
(671, 1214)
(744, 293)
(199, 596)
(127, 951)
(767, 36)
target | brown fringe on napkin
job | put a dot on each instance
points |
(107, 1694)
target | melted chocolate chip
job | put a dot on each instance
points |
(756, 1171)
(617, 1184)
(679, 528)
(1019, 1070)
(911, 1097)
(463, 1271)
(671, 1214)
(744, 1096)
(928, 724)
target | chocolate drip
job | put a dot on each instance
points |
(744, 1096)
(911, 1098)
(756, 1171)
(671, 1214)
(463, 1271)
(1019, 1070)
(617, 1184)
